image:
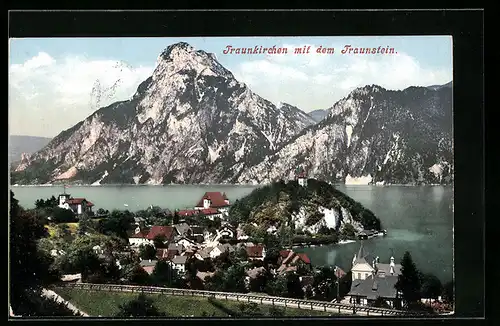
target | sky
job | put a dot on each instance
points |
(53, 82)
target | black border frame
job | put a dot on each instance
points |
(466, 27)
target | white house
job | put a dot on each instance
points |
(361, 268)
(179, 263)
(301, 177)
(217, 251)
(77, 205)
(215, 200)
(139, 239)
(186, 243)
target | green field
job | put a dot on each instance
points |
(106, 304)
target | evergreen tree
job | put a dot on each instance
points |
(142, 306)
(409, 283)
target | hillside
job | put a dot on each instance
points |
(190, 122)
(19, 145)
(303, 208)
(373, 135)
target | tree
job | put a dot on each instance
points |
(85, 225)
(136, 275)
(176, 218)
(142, 306)
(409, 281)
(159, 241)
(431, 286)
(116, 224)
(258, 284)
(164, 275)
(147, 251)
(277, 286)
(294, 286)
(29, 268)
(63, 215)
(448, 292)
(348, 231)
(325, 283)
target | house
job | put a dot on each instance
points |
(139, 221)
(185, 242)
(217, 251)
(253, 274)
(374, 280)
(216, 200)
(183, 229)
(272, 229)
(77, 205)
(256, 252)
(240, 234)
(203, 253)
(168, 232)
(139, 238)
(197, 234)
(365, 292)
(148, 265)
(289, 257)
(166, 254)
(226, 232)
(301, 177)
(179, 263)
(361, 268)
(202, 276)
(339, 272)
(365, 234)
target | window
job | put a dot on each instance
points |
(359, 276)
(366, 275)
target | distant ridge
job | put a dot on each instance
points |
(19, 144)
(436, 87)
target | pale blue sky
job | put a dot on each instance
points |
(54, 77)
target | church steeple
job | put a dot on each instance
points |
(361, 252)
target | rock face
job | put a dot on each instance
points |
(193, 122)
(372, 136)
(190, 122)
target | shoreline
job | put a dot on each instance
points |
(342, 242)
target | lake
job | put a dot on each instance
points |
(418, 219)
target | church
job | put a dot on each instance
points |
(372, 279)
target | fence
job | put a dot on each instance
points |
(270, 300)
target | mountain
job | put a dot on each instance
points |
(373, 135)
(19, 145)
(318, 115)
(308, 208)
(436, 87)
(190, 122)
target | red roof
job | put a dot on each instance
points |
(255, 251)
(304, 258)
(188, 212)
(209, 211)
(217, 199)
(142, 234)
(78, 201)
(167, 231)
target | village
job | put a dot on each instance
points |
(187, 242)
